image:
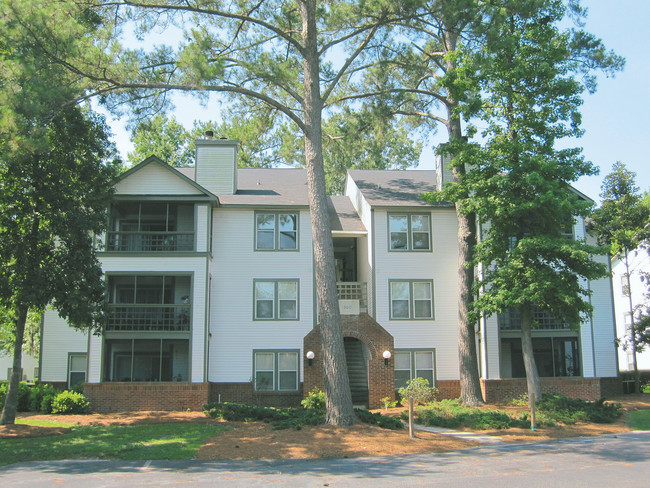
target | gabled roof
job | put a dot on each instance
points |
(396, 188)
(190, 187)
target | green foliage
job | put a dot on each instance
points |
(314, 400)
(418, 389)
(453, 414)
(570, 411)
(388, 403)
(128, 442)
(285, 418)
(40, 398)
(70, 402)
(378, 419)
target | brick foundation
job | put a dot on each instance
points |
(381, 377)
(504, 390)
(447, 389)
(244, 393)
(124, 397)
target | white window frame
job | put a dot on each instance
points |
(410, 231)
(413, 363)
(72, 355)
(278, 299)
(277, 231)
(277, 372)
(412, 299)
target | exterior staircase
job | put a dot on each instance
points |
(357, 371)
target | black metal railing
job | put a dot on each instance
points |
(150, 241)
(148, 317)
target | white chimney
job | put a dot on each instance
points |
(443, 171)
(216, 164)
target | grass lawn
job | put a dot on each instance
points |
(128, 442)
(639, 420)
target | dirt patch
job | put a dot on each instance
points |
(257, 440)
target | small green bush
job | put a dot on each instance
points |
(24, 391)
(46, 403)
(388, 403)
(70, 402)
(315, 400)
(37, 394)
(419, 389)
(378, 419)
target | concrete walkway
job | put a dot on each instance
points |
(474, 436)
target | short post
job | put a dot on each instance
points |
(533, 420)
(411, 435)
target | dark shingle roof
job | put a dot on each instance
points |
(343, 216)
(384, 188)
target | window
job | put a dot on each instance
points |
(275, 370)
(411, 300)
(554, 356)
(276, 231)
(76, 369)
(409, 232)
(276, 300)
(146, 360)
(625, 287)
(414, 364)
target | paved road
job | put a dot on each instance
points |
(613, 461)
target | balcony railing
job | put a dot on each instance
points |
(148, 317)
(351, 290)
(150, 241)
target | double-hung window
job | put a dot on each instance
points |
(411, 299)
(275, 370)
(276, 231)
(409, 232)
(276, 299)
(415, 363)
(76, 369)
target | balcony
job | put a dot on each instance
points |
(511, 321)
(150, 241)
(353, 297)
(140, 317)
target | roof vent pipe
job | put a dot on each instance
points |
(209, 134)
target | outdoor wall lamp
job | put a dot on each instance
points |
(387, 356)
(310, 357)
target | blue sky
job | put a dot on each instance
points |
(614, 118)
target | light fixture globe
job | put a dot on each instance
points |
(310, 355)
(387, 355)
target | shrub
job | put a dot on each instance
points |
(37, 394)
(388, 403)
(284, 418)
(419, 389)
(315, 400)
(46, 403)
(69, 402)
(378, 419)
(571, 410)
(23, 395)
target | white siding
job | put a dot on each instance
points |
(234, 333)
(639, 262)
(57, 341)
(440, 265)
(202, 228)
(28, 364)
(216, 168)
(153, 179)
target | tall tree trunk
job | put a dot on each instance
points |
(532, 376)
(11, 400)
(470, 385)
(637, 378)
(339, 409)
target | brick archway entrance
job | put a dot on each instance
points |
(375, 339)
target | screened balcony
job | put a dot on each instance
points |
(149, 303)
(511, 321)
(150, 226)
